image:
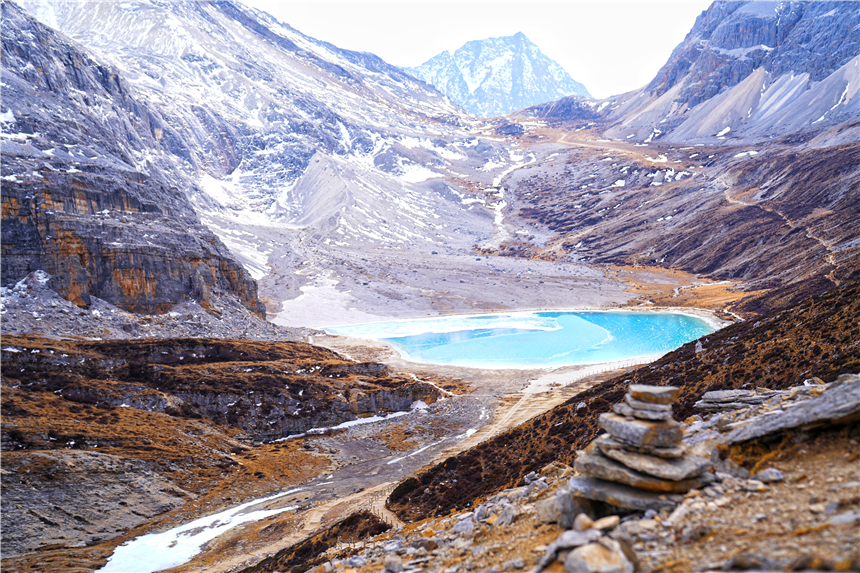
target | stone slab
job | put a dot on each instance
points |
(839, 404)
(595, 464)
(623, 409)
(662, 434)
(642, 405)
(676, 469)
(654, 394)
(621, 495)
(607, 442)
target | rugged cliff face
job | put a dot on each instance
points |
(91, 193)
(747, 71)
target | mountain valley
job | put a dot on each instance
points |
(193, 191)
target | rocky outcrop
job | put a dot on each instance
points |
(268, 390)
(91, 193)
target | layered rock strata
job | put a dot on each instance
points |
(92, 185)
(641, 463)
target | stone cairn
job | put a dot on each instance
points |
(640, 463)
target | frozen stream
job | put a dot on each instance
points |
(176, 546)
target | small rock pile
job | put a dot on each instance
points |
(641, 463)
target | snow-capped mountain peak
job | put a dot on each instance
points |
(496, 76)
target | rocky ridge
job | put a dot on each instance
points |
(497, 76)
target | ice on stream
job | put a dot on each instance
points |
(157, 551)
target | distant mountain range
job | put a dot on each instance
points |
(746, 70)
(498, 75)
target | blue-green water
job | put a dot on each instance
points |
(534, 340)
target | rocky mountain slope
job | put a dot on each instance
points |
(746, 72)
(784, 502)
(497, 76)
(300, 155)
(90, 191)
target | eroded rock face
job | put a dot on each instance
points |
(90, 190)
(111, 494)
(268, 390)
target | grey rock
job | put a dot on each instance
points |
(605, 443)
(572, 505)
(727, 400)
(769, 475)
(661, 434)
(621, 495)
(675, 469)
(464, 527)
(393, 545)
(845, 518)
(513, 564)
(654, 394)
(599, 466)
(506, 515)
(606, 556)
(356, 561)
(642, 405)
(482, 512)
(838, 404)
(629, 412)
(393, 564)
(567, 540)
(728, 467)
(548, 510)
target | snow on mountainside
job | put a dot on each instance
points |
(498, 75)
(296, 153)
(746, 71)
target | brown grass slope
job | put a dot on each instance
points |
(309, 553)
(818, 337)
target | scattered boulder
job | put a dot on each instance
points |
(603, 556)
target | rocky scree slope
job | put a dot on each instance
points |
(267, 389)
(747, 71)
(819, 337)
(89, 191)
(497, 76)
(782, 215)
(294, 143)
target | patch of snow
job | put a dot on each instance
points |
(724, 131)
(157, 551)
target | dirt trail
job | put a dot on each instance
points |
(829, 257)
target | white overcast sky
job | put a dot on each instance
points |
(611, 46)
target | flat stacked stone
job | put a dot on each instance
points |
(641, 455)
(728, 400)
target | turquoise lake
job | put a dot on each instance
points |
(534, 340)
